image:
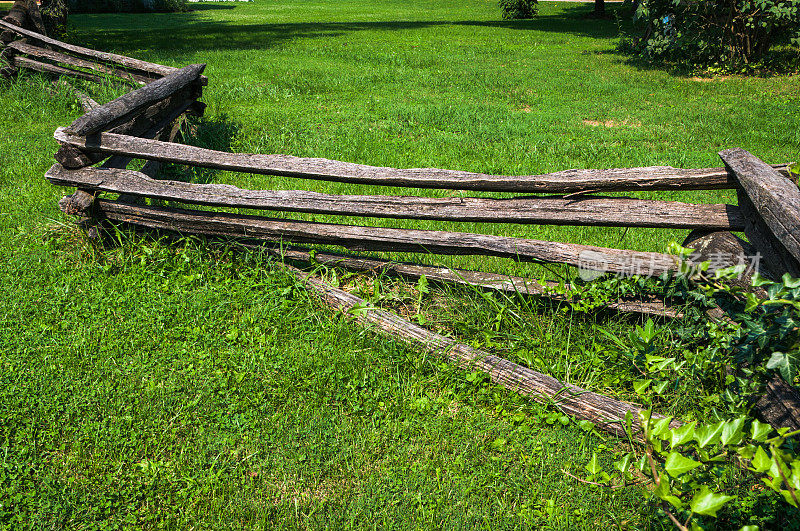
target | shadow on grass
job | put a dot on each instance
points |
(189, 33)
(217, 134)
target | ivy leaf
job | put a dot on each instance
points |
(761, 461)
(733, 431)
(640, 386)
(707, 503)
(660, 387)
(786, 363)
(682, 435)
(593, 467)
(707, 435)
(677, 464)
(624, 464)
(759, 431)
(789, 498)
(674, 501)
(661, 427)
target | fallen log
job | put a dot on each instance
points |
(723, 249)
(47, 68)
(35, 17)
(18, 14)
(153, 117)
(607, 413)
(388, 239)
(76, 62)
(122, 61)
(569, 181)
(478, 279)
(775, 200)
(585, 210)
(122, 109)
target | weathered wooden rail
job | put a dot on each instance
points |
(98, 146)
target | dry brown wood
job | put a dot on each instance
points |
(76, 62)
(780, 404)
(146, 124)
(128, 63)
(387, 239)
(775, 198)
(35, 17)
(585, 210)
(7, 36)
(489, 281)
(777, 258)
(127, 106)
(18, 14)
(723, 249)
(47, 68)
(607, 413)
(569, 181)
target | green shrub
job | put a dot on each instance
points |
(517, 9)
(126, 6)
(729, 34)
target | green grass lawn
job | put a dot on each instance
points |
(168, 386)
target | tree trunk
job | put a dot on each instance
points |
(54, 15)
(599, 8)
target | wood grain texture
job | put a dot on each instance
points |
(723, 249)
(47, 68)
(489, 281)
(775, 198)
(584, 210)
(76, 62)
(124, 108)
(568, 181)
(780, 404)
(607, 413)
(777, 258)
(389, 239)
(122, 61)
(17, 15)
(145, 124)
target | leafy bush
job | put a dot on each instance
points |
(727, 34)
(722, 459)
(126, 6)
(518, 9)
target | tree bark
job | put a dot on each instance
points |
(586, 210)
(567, 181)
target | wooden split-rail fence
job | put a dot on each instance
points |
(97, 148)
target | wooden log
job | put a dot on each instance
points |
(723, 249)
(478, 279)
(778, 260)
(388, 239)
(586, 210)
(7, 36)
(780, 404)
(146, 124)
(124, 108)
(7, 56)
(76, 62)
(775, 198)
(607, 413)
(569, 181)
(127, 63)
(35, 17)
(17, 15)
(47, 68)
(78, 203)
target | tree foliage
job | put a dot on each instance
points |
(519, 9)
(728, 34)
